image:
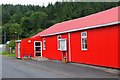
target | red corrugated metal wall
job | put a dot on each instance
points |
(119, 46)
(102, 47)
(52, 51)
(27, 49)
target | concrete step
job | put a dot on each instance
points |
(27, 58)
(40, 58)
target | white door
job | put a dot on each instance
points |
(38, 48)
(18, 50)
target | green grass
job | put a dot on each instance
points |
(11, 55)
(6, 53)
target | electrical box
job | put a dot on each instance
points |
(63, 44)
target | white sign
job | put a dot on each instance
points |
(63, 44)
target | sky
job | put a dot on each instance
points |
(45, 2)
(32, 2)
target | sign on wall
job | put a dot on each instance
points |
(63, 44)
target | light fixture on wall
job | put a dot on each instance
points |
(29, 41)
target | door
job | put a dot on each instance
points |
(18, 50)
(63, 48)
(37, 48)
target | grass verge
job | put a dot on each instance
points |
(6, 53)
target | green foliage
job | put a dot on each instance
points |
(0, 15)
(27, 20)
(13, 30)
(0, 35)
(38, 19)
(34, 22)
(12, 44)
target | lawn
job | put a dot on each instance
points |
(6, 53)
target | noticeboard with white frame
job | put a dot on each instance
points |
(63, 44)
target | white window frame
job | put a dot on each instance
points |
(44, 44)
(82, 42)
(58, 41)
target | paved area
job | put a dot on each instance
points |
(0, 66)
(15, 68)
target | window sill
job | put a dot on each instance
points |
(84, 49)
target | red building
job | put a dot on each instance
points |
(27, 48)
(90, 40)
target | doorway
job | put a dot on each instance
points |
(38, 48)
(18, 49)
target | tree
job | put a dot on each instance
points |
(13, 30)
(27, 20)
(38, 19)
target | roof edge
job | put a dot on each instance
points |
(90, 27)
(18, 41)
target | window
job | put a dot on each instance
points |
(63, 45)
(44, 44)
(84, 40)
(37, 43)
(58, 40)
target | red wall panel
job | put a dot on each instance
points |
(52, 51)
(119, 46)
(27, 48)
(102, 47)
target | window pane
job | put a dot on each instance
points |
(44, 44)
(86, 40)
(37, 48)
(38, 54)
(85, 46)
(37, 43)
(83, 33)
(83, 41)
(58, 44)
(58, 41)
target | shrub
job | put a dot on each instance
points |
(12, 44)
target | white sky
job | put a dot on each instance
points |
(32, 2)
(45, 2)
